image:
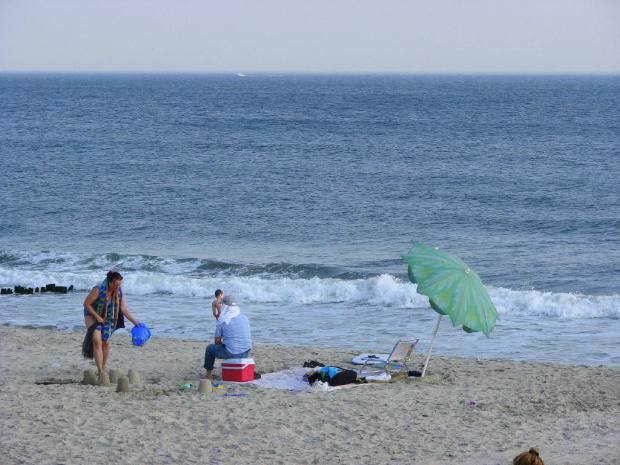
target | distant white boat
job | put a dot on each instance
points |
(240, 74)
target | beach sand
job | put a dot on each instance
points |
(571, 412)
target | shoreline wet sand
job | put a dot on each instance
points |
(466, 410)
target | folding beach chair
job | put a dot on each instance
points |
(396, 361)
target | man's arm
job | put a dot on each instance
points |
(218, 334)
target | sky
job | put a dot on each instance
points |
(311, 36)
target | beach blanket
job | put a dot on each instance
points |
(111, 313)
(293, 380)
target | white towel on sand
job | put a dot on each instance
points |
(227, 314)
(382, 377)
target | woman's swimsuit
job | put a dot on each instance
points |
(87, 313)
(109, 325)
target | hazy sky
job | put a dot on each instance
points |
(335, 36)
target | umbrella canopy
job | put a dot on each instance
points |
(452, 288)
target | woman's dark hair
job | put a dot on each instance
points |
(114, 276)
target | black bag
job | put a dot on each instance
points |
(87, 345)
(342, 377)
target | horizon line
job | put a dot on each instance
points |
(322, 73)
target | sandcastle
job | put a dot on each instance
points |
(115, 375)
(134, 377)
(89, 378)
(205, 386)
(123, 384)
(104, 380)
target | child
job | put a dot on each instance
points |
(216, 305)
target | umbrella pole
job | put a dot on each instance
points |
(431, 347)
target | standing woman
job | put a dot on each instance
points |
(105, 305)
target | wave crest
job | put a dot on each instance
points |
(284, 283)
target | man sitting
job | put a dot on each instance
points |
(232, 336)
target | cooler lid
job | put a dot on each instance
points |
(238, 361)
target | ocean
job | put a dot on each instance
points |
(298, 194)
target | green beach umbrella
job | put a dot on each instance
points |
(452, 289)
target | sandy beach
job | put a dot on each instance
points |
(465, 411)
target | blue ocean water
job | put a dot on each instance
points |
(298, 194)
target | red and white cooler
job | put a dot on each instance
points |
(238, 369)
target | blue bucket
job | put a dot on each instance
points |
(140, 334)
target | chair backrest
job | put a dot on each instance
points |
(402, 350)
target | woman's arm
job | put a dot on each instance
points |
(88, 304)
(127, 314)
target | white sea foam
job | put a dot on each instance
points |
(381, 291)
(291, 305)
(367, 314)
(551, 304)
